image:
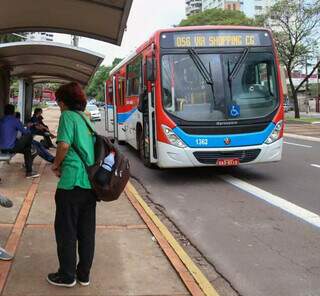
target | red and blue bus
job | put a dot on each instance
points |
(200, 96)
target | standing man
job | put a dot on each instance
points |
(75, 220)
(9, 128)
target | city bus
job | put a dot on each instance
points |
(199, 96)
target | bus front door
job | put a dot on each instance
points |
(149, 115)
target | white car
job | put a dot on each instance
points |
(94, 112)
(51, 103)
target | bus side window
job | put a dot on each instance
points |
(109, 95)
(122, 92)
(134, 77)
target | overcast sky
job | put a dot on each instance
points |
(145, 18)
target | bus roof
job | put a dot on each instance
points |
(177, 29)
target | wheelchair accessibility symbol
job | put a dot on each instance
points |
(234, 111)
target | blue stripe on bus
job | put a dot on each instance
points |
(217, 141)
(123, 117)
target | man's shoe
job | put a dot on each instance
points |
(5, 202)
(83, 280)
(57, 280)
(32, 174)
(4, 255)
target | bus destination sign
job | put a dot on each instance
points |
(218, 38)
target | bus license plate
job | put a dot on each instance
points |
(228, 161)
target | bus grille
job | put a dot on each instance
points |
(213, 156)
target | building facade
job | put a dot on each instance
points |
(193, 7)
(221, 4)
(251, 8)
(39, 36)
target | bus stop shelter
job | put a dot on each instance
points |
(39, 62)
(104, 20)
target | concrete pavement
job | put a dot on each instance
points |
(128, 260)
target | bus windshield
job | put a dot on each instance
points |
(252, 92)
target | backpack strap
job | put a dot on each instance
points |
(76, 149)
(86, 122)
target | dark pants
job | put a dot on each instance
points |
(46, 136)
(23, 146)
(75, 221)
(42, 151)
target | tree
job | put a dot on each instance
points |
(5, 38)
(295, 25)
(218, 17)
(96, 86)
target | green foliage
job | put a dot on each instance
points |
(5, 38)
(14, 87)
(295, 25)
(96, 86)
(218, 17)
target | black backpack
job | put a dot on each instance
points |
(119, 175)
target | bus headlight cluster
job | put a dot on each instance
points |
(173, 138)
(274, 136)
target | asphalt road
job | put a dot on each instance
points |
(260, 248)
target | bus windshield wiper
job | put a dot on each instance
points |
(234, 72)
(207, 75)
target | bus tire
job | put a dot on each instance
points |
(141, 150)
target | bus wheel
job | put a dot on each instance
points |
(142, 150)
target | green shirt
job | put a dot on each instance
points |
(73, 130)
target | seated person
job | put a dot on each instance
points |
(39, 147)
(38, 127)
(7, 203)
(9, 127)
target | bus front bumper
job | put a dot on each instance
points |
(172, 157)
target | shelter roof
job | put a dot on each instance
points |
(49, 61)
(99, 19)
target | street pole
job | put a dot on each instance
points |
(75, 40)
(318, 88)
(307, 81)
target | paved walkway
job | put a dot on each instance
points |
(128, 259)
(303, 129)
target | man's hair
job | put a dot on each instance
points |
(18, 115)
(72, 95)
(37, 110)
(9, 109)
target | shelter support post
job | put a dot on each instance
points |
(25, 99)
(4, 89)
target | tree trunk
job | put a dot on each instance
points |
(296, 105)
(295, 97)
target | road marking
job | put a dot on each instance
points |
(307, 138)
(295, 144)
(275, 200)
(315, 165)
(187, 269)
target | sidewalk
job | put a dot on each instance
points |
(128, 260)
(303, 129)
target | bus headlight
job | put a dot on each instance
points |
(274, 136)
(173, 138)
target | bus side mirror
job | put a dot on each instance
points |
(150, 67)
(143, 101)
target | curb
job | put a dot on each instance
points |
(156, 225)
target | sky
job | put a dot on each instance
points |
(146, 16)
